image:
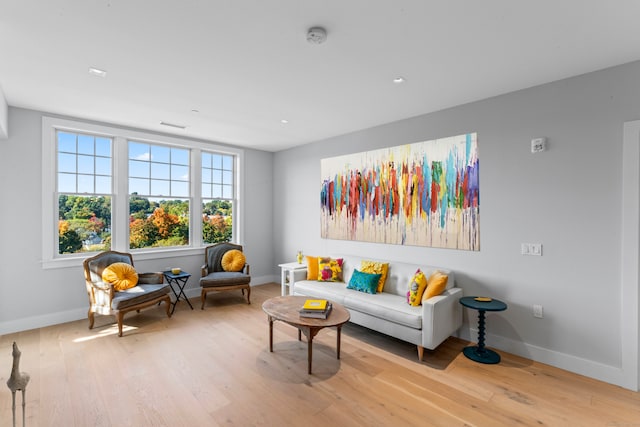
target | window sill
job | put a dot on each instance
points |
(138, 255)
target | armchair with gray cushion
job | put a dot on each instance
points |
(105, 299)
(215, 278)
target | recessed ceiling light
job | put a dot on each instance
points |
(97, 72)
(399, 80)
(173, 125)
(284, 121)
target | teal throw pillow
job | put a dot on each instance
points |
(364, 282)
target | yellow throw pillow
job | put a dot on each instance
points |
(121, 275)
(416, 288)
(330, 269)
(436, 283)
(312, 268)
(233, 260)
(374, 267)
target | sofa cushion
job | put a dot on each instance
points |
(233, 260)
(121, 275)
(312, 268)
(436, 283)
(330, 269)
(392, 308)
(364, 282)
(416, 288)
(376, 267)
(332, 291)
(137, 295)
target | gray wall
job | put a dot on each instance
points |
(568, 198)
(31, 296)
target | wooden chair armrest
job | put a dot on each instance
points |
(150, 278)
(103, 286)
(247, 269)
(204, 270)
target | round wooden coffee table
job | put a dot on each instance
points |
(285, 309)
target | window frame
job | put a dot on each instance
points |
(233, 199)
(120, 190)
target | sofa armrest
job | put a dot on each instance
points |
(441, 317)
(298, 275)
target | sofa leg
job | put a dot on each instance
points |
(420, 353)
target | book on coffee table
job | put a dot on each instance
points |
(316, 314)
(315, 304)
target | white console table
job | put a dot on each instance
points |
(286, 275)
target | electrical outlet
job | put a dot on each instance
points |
(534, 249)
(537, 311)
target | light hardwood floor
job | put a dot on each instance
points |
(214, 368)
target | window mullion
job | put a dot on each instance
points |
(195, 213)
(120, 201)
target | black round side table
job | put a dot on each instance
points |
(479, 353)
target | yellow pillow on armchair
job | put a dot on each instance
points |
(121, 275)
(233, 260)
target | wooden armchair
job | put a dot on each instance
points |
(215, 278)
(105, 299)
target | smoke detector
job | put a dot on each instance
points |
(316, 35)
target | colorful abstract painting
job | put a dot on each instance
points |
(422, 194)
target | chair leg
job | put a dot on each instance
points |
(167, 302)
(91, 316)
(120, 318)
(203, 297)
(248, 294)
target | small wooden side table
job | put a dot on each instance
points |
(479, 353)
(180, 280)
(286, 275)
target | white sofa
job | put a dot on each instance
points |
(388, 312)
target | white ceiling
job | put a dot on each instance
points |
(245, 64)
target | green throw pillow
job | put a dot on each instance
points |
(364, 282)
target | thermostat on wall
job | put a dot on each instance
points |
(538, 145)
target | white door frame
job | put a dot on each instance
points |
(630, 322)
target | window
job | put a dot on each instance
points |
(159, 195)
(133, 191)
(217, 197)
(83, 192)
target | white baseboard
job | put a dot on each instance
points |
(42, 321)
(589, 368)
(50, 319)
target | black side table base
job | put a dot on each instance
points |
(180, 280)
(485, 355)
